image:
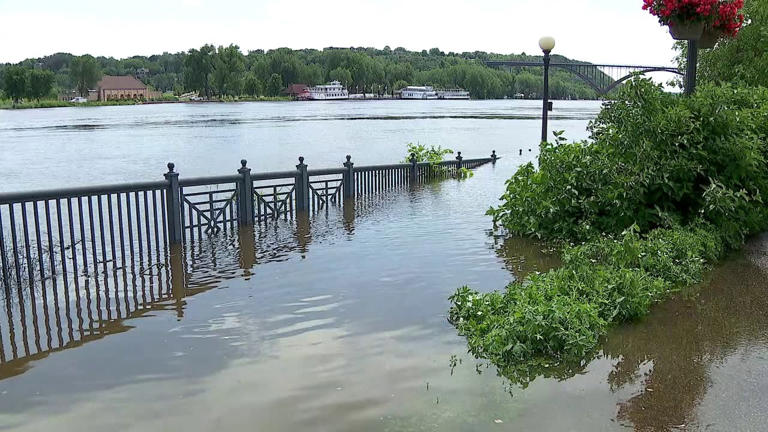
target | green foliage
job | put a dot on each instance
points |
(344, 76)
(743, 59)
(198, 67)
(85, 72)
(685, 158)
(252, 86)
(464, 173)
(229, 71)
(222, 71)
(40, 83)
(15, 82)
(399, 85)
(274, 85)
(554, 320)
(433, 155)
(666, 185)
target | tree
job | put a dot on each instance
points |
(40, 83)
(198, 66)
(743, 58)
(229, 70)
(341, 75)
(15, 82)
(251, 85)
(399, 85)
(85, 73)
(274, 85)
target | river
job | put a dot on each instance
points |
(338, 323)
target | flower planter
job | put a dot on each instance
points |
(709, 38)
(686, 30)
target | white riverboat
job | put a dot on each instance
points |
(453, 94)
(331, 91)
(418, 93)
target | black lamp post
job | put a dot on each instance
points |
(690, 69)
(547, 44)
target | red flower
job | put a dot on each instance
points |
(723, 15)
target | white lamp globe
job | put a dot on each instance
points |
(547, 43)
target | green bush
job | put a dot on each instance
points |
(558, 317)
(664, 187)
(433, 155)
(654, 160)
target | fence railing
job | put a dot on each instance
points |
(83, 231)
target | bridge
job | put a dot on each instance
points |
(601, 77)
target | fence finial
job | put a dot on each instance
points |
(301, 160)
(348, 180)
(413, 158)
(243, 162)
(171, 166)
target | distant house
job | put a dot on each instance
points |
(122, 87)
(296, 90)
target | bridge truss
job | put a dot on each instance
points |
(601, 77)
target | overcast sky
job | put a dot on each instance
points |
(599, 31)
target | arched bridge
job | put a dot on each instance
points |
(601, 77)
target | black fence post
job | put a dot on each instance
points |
(458, 161)
(245, 196)
(302, 186)
(494, 157)
(349, 179)
(173, 203)
(414, 169)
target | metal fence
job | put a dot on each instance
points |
(76, 262)
(84, 231)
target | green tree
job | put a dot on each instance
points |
(198, 66)
(85, 73)
(741, 59)
(40, 83)
(15, 82)
(341, 75)
(274, 85)
(399, 85)
(229, 70)
(251, 85)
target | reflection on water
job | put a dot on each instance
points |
(695, 356)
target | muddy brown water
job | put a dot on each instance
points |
(337, 322)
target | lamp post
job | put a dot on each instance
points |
(690, 68)
(547, 44)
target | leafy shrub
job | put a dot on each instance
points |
(664, 187)
(651, 158)
(558, 317)
(433, 155)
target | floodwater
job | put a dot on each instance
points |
(337, 321)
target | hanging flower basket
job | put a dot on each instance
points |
(688, 19)
(686, 30)
(709, 38)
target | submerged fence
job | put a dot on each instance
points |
(45, 235)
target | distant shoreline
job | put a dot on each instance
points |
(7, 105)
(50, 103)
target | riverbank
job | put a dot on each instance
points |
(50, 103)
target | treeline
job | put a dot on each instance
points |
(227, 71)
